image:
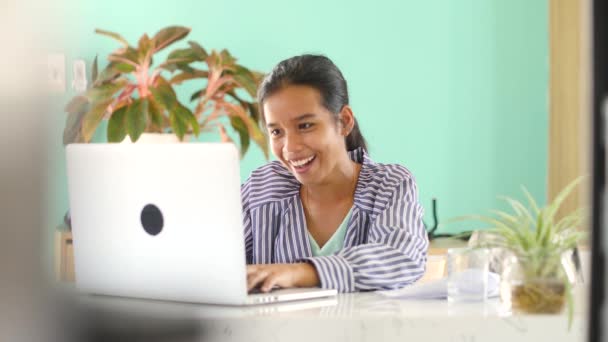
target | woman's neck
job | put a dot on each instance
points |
(339, 186)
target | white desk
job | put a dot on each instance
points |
(359, 317)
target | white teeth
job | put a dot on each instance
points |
(301, 162)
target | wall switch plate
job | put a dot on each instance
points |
(79, 76)
(56, 72)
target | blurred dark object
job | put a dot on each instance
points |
(432, 233)
(93, 323)
(576, 261)
(599, 85)
(67, 219)
(105, 326)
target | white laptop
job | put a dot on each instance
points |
(162, 221)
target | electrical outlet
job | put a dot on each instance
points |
(56, 72)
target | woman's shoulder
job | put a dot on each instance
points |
(387, 172)
(392, 172)
(379, 181)
(268, 183)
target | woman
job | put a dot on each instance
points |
(324, 214)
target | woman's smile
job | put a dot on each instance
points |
(302, 165)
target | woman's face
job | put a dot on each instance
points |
(304, 135)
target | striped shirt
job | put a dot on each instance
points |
(385, 244)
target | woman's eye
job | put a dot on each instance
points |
(305, 125)
(275, 132)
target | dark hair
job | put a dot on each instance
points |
(320, 73)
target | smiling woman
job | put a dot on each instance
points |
(324, 214)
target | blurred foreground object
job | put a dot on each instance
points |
(29, 309)
(22, 136)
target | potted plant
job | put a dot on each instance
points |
(138, 97)
(229, 91)
(533, 277)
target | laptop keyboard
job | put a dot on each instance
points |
(257, 290)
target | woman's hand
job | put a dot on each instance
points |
(267, 276)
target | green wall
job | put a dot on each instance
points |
(456, 90)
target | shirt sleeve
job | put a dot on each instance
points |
(394, 256)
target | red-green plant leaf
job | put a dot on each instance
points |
(93, 117)
(251, 107)
(214, 60)
(155, 112)
(185, 76)
(174, 64)
(117, 126)
(227, 59)
(76, 108)
(223, 134)
(186, 116)
(239, 125)
(254, 130)
(220, 62)
(77, 104)
(186, 53)
(106, 90)
(137, 118)
(215, 85)
(124, 67)
(180, 119)
(181, 58)
(196, 129)
(164, 94)
(254, 112)
(117, 104)
(112, 71)
(72, 132)
(125, 94)
(178, 126)
(246, 79)
(127, 55)
(257, 136)
(144, 49)
(108, 74)
(198, 50)
(183, 67)
(168, 36)
(112, 35)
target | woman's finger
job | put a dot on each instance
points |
(256, 278)
(270, 282)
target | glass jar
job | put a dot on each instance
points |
(533, 285)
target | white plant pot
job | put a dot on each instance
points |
(157, 138)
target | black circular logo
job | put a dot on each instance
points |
(152, 219)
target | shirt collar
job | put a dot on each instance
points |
(360, 156)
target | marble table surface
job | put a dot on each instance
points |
(357, 317)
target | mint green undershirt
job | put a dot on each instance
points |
(335, 243)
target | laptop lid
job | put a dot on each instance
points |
(158, 221)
